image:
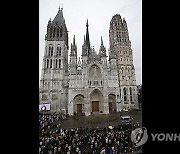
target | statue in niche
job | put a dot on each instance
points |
(54, 96)
(44, 97)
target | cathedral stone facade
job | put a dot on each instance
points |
(95, 83)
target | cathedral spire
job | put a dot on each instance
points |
(59, 16)
(74, 40)
(86, 45)
(124, 24)
(73, 48)
(56, 29)
(102, 50)
(87, 36)
(79, 62)
(101, 41)
(84, 39)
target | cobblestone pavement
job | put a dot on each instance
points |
(100, 120)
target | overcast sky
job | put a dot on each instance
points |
(99, 14)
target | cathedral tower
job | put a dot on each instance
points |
(54, 76)
(120, 47)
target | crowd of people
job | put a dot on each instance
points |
(55, 140)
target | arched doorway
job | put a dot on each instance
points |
(112, 103)
(96, 101)
(79, 104)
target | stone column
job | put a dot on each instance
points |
(87, 106)
(106, 105)
(70, 107)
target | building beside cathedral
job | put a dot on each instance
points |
(101, 81)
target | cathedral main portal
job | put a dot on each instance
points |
(78, 104)
(95, 106)
(96, 100)
(79, 109)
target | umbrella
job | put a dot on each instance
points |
(110, 127)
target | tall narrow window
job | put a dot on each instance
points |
(130, 89)
(56, 63)
(51, 31)
(58, 51)
(125, 98)
(59, 63)
(124, 90)
(47, 64)
(45, 85)
(48, 85)
(54, 32)
(51, 51)
(58, 32)
(61, 31)
(50, 63)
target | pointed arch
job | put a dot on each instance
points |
(96, 100)
(78, 104)
(112, 102)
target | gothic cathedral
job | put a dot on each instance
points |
(93, 83)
